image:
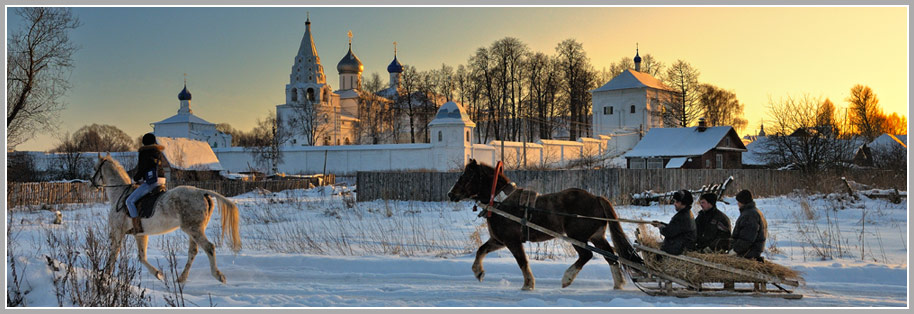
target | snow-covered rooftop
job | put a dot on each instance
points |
(679, 142)
(188, 154)
(452, 113)
(560, 142)
(886, 140)
(754, 152)
(183, 118)
(632, 79)
(497, 144)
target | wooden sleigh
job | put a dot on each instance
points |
(754, 284)
(658, 283)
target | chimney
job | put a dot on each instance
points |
(701, 125)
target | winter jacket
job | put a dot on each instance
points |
(679, 235)
(150, 158)
(750, 232)
(713, 230)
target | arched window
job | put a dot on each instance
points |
(294, 94)
(468, 136)
(311, 94)
(439, 136)
(347, 141)
(633, 108)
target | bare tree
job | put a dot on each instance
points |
(72, 156)
(307, 119)
(266, 143)
(98, 138)
(800, 142)
(579, 77)
(865, 114)
(616, 68)
(409, 82)
(721, 107)
(684, 108)
(39, 60)
(652, 66)
(895, 124)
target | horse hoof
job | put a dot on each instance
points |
(160, 276)
(480, 275)
(527, 288)
(221, 278)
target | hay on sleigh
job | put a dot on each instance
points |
(697, 274)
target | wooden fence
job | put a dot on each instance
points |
(39, 193)
(618, 184)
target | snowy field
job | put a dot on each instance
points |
(318, 248)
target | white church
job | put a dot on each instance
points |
(321, 125)
(187, 125)
(314, 114)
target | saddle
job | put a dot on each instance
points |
(145, 206)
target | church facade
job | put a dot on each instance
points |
(316, 115)
(187, 125)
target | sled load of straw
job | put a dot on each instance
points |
(697, 274)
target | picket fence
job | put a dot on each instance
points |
(41, 193)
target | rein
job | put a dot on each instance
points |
(498, 170)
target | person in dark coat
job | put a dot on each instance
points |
(713, 226)
(751, 228)
(680, 234)
(149, 174)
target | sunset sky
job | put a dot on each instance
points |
(132, 62)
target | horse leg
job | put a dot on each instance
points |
(484, 249)
(584, 255)
(517, 249)
(141, 242)
(191, 254)
(210, 250)
(618, 279)
(115, 241)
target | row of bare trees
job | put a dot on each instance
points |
(811, 134)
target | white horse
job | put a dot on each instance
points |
(185, 207)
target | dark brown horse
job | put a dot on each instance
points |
(553, 211)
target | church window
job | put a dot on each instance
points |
(439, 136)
(728, 142)
(707, 163)
(347, 141)
(309, 78)
(468, 136)
(633, 108)
(294, 95)
(720, 161)
(311, 94)
(608, 110)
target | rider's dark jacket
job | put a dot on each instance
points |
(150, 159)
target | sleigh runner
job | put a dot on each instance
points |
(656, 282)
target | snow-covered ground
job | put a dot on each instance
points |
(318, 248)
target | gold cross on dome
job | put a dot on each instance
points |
(395, 48)
(350, 37)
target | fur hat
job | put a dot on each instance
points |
(683, 196)
(149, 139)
(711, 198)
(744, 197)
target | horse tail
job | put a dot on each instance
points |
(620, 241)
(230, 218)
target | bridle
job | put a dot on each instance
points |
(98, 171)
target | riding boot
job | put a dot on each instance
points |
(137, 226)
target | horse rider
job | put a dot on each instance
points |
(149, 175)
(713, 226)
(680, 234)
(751, 228)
